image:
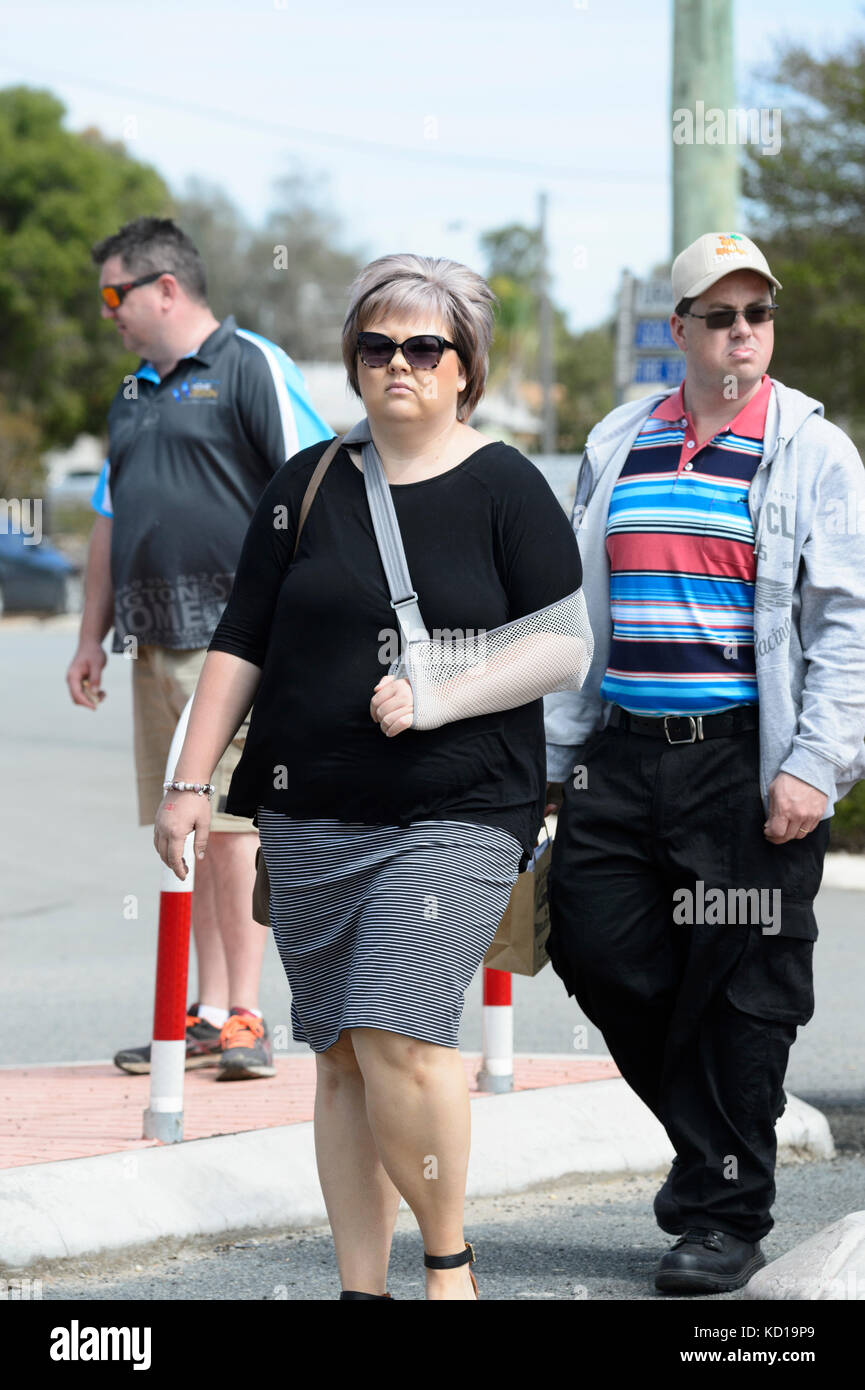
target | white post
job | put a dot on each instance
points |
(163, 1119)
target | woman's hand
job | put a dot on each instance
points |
(392, 705)
(179, 813)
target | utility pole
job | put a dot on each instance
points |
(705, 190)
(545, 346)
(705, 170)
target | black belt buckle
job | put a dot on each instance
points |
(696, 728)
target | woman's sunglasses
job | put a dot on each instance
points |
(725, 318)
(423, 351)
(114, 295)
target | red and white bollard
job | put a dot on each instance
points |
(163, 1119)
(497, 1063)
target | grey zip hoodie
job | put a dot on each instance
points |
(807, 503)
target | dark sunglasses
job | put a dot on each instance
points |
(725, 318)
(114, 295)
(423, 351)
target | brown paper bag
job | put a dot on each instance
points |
(261, 891)
(519, 945)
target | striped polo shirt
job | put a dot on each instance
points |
(682, 569)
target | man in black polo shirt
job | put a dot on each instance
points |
(194, 437)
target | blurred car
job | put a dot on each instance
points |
(37, 578)
(74, 486)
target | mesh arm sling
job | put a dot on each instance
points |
(460, 677)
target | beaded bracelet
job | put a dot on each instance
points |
(203, 788)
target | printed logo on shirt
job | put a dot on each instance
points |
(157, 609)
(197, 389)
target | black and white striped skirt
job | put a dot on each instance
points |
(382, 926)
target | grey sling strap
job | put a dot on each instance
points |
(480, 672)
(403, 597)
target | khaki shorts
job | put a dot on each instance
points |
(162, 682)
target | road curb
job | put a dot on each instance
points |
(830, 1265)
(266, 1179)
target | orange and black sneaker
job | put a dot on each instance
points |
(203, 1047)
(246, 1048)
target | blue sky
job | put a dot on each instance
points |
(433, 123)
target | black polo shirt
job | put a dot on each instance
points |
(189, 457)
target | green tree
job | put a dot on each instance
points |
(223, 238)
(583, 363)
(299, 273)
(807, 204)
(287, 279)
(60, 192)
(513, 262)
(584, 371)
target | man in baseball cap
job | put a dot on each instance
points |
(721, 720)
(711, 258)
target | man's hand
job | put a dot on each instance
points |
(795, 809)
(392, 705)
(85, 674)
(555, 797)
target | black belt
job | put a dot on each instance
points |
(687, 728)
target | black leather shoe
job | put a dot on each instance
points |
(666, 1212)
(708, 1262)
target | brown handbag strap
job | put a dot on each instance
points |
(314, 483)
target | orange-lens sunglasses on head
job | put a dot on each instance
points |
(114, 295)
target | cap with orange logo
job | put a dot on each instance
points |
(713, 256)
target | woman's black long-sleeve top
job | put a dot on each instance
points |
(486, 542)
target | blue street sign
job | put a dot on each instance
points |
(663, 371)
(653, 333)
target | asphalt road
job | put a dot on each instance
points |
(578, 1239)
(78, 976)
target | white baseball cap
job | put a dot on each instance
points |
(711, 257)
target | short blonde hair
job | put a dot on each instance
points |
(409, 283)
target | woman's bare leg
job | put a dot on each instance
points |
(417, 1104)
(360, 1198)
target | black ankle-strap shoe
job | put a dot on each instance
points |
(353, 1293)
(703, 1261)
(465, 1257)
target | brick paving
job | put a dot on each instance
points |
(55, 1112)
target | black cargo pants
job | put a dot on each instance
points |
(699, 1014)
